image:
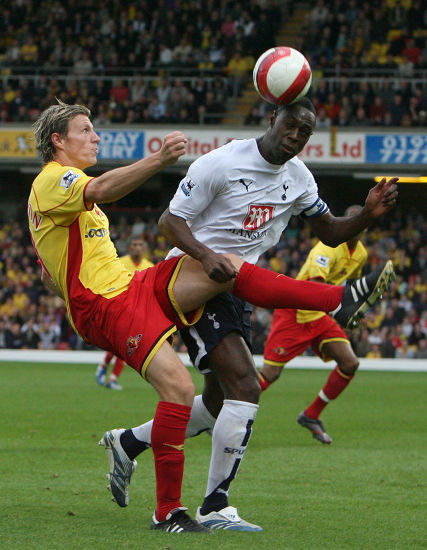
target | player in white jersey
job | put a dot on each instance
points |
(239, 198)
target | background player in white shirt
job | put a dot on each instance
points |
(239, 198)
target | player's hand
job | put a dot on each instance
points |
(218, 267)
(172, 148)
(382, 197)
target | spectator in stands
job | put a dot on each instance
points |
(421, 352)
(14, 339)
(84, 65)
(30, 335)
(237, 71)
(377, 111)
(3, 335)
(119, 92)
(374, 352)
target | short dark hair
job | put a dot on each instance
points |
(303, 102)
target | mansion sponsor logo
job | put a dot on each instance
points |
(250, 235)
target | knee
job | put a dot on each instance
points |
(350, 366)
(271, 373)
(243, 386)
(178, 388)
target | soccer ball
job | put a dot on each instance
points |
(282, 75)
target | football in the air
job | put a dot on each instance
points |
(282, 75)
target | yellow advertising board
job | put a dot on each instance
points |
(17, 144)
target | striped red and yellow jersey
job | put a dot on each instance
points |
(71, 236)
(334, 266)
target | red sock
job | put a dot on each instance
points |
(264, 383)
(264, 288)
(108, 356)
(118, 367)
(335, 384)
(167, 441)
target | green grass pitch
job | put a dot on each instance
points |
(365, 491)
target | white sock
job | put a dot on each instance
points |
(230, 437)
(200, 420)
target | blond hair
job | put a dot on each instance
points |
(52, 120)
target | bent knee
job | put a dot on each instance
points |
(271, 373)
(243, 387)
(177, 387)
(349, 367)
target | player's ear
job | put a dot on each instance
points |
(56, 139)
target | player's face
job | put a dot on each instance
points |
(80, 145)
(136, 250)
(289, 132)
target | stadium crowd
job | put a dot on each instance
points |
(369, 62)
(179, 62)
(31, 317)
(163, 61)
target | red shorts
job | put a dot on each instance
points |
(288, 338)
(135, 323)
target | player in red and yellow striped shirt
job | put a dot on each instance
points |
(294, 330)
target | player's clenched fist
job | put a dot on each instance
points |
(173, 147)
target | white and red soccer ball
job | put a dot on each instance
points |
(282, 75)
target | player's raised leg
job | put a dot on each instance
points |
(268, 289)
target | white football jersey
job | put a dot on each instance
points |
(237, 202)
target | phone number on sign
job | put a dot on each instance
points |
(396, 149)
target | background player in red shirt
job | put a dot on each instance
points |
(293, 331)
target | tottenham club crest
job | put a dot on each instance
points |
(258, 216)
(132, 343)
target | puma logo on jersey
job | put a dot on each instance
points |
(246, 183)
(211, 316)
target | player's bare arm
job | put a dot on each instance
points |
(175, 229)
(117, 183)
(333, 231)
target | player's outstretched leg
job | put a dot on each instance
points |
(315, 426)
(362, 294)
(121, 466)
